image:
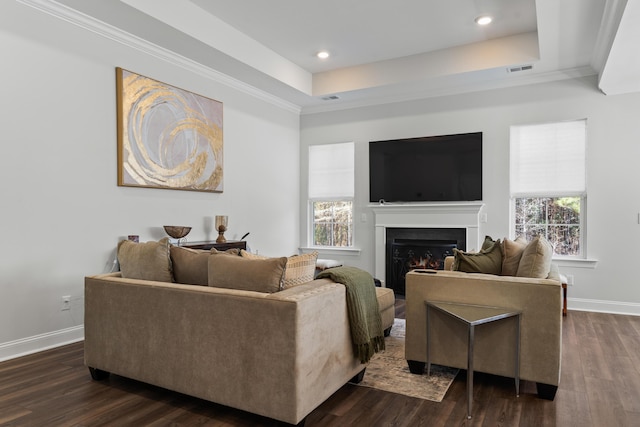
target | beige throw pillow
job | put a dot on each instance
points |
(190, 266)
(235, 272)
(536, 259)
(488, 261)
(300, 268)
(146, 261)
(511, 254)
(232, 251)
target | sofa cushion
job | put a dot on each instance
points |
(190, 266)
(536, 259)
(236, 272)
(511, 254)
(487, 261)
(300, 268)
(146, 261)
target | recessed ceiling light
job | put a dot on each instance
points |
(483, 20)
(323, 54)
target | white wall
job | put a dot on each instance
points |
(613, 183)
(61, 209)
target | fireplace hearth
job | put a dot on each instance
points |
(418, 248)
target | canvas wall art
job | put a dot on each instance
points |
(167, 137)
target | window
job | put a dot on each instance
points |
(548, 184)
(331, 189)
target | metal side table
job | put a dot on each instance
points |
(473, 315)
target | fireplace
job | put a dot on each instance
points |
(418, 248)
(466, 216)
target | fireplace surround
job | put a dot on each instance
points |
(407, 249)
(456, 215)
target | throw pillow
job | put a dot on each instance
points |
(232, 251)
(300, 268)
(488, 261)
(146, 261)
(536, 259)
(190, 266)
(235, 272)
(487, 243)
(511, 254)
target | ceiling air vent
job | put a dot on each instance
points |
(519, 68)
(330, 98)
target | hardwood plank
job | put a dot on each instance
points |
(600, 385)
(627, 386)
(573, 409)
(10, 413)
(604, 403)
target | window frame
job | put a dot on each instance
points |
(312, 223)
(583, 211)
(582, 255)
(340, 196)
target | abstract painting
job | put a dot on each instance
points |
(167, 137)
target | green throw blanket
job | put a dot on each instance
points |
(362, 305)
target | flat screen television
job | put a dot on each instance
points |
(428, 169)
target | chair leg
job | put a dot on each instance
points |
(546, 391)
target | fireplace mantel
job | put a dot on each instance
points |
(433, 215)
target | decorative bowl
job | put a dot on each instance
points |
(176, 231)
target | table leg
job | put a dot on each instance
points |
(470, 370)
(518, 356)
(428, 341)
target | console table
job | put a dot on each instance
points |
(472, 316)
(208, 244)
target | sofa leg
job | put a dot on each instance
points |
(98, 374)
(416, 367)
(300, 424)
(546, 391)
(387, 331)
(358, 378)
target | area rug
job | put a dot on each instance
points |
(388, 371)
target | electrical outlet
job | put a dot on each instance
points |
(569, 279)
(66, 303)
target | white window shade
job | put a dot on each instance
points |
(548, 159)
(331, 171)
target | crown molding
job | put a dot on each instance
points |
(113, 33)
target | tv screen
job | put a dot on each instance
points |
(427, 169)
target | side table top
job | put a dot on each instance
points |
(473, 314)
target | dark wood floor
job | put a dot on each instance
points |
(600, 386)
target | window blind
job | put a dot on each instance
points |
(331, 171)
(548, 159)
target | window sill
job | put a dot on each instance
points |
(576, 262)
(335, 250)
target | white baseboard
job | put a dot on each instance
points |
(34, 344)
(601, 306)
